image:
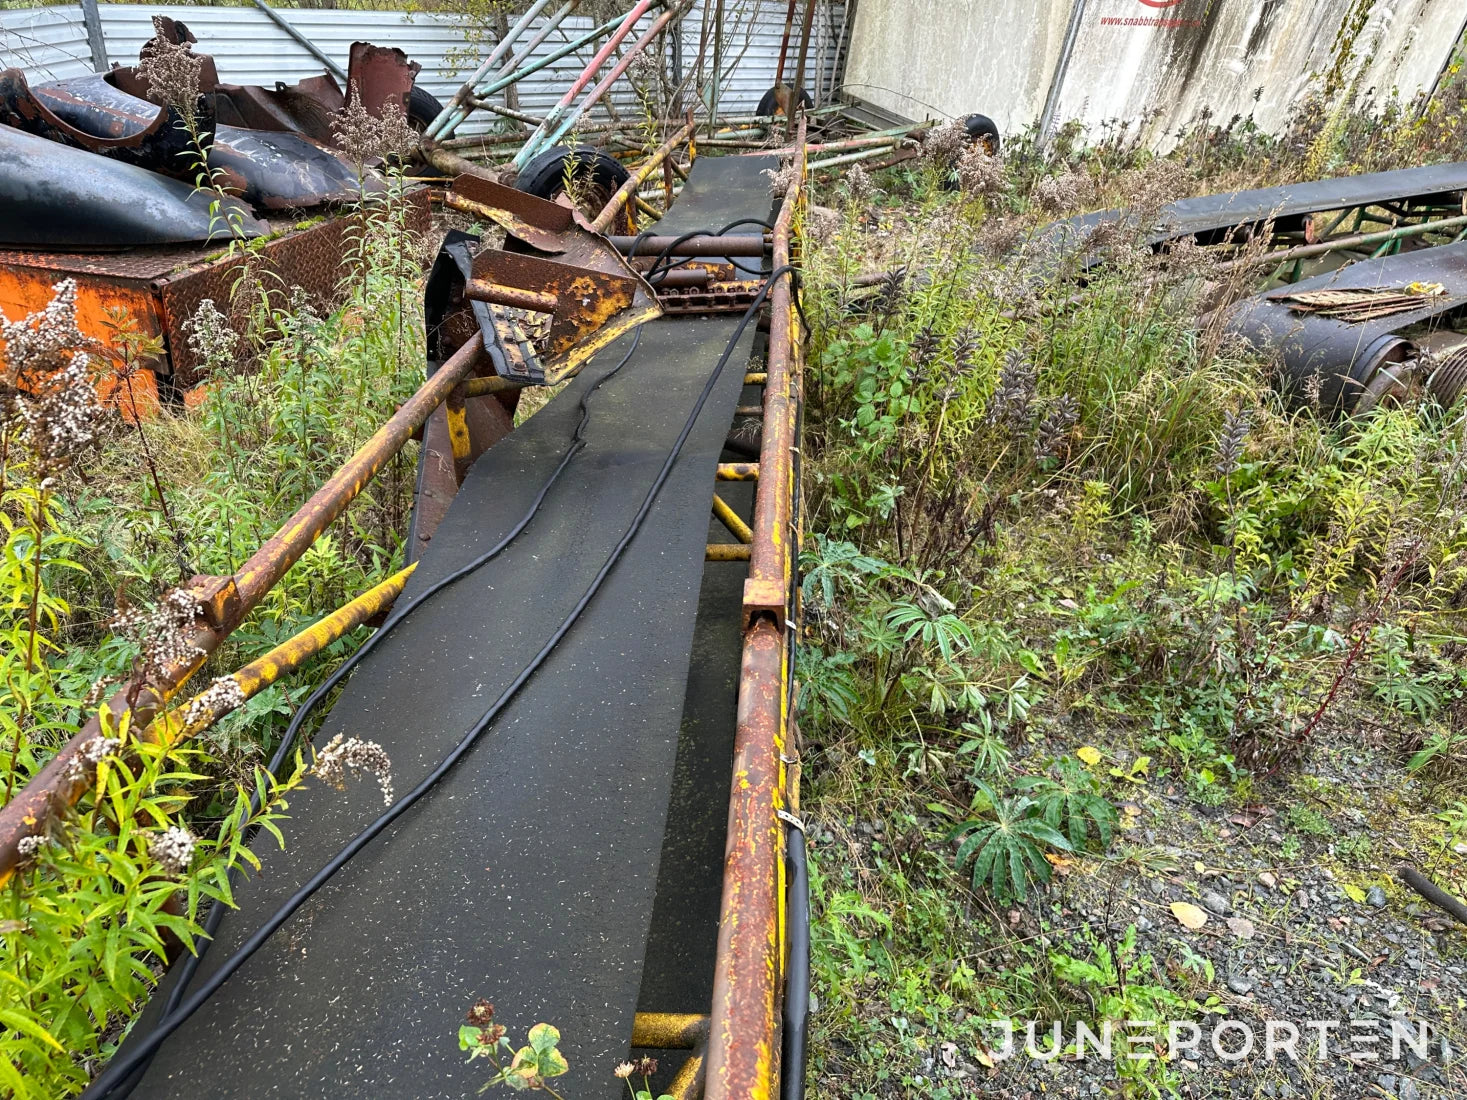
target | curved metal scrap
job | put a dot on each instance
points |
(61, 197)
(282, 171)
(88, 113)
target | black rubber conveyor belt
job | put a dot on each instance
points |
(527, 875)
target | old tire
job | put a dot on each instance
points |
(981, 128)
(600, 172)
(769, 104)
(422, 108)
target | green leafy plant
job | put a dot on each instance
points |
(1007, 849)
(1069, 800)
(528, 1068)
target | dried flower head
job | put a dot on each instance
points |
(1010, 404)
(30, 846)
(171, 70)
(780, 179)
(980, 173)
(624, 1070)
(47, 382)
(1056, 426)
(646, 1067)
(942, 145)
(1236, 426)
(368, 138)
(889, 292)
(173, 849)
(858, 185)
(162, 634)
(482, 1013)
(352, 754)
(222, 696)
(89, 754)
(1056, 194)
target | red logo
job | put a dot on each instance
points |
(1161, 3)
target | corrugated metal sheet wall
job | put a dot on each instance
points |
(50, 44)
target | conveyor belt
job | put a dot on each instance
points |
(527, 876)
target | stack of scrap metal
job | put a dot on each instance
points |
(98, 175)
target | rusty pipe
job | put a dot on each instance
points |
(65, 776)
(482, 290)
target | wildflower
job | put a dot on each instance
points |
(343, 754)
(1054, 194)
(89, 754)
(889, 292)
(646, 1067)
(1055, 426)
(858, 185)
(170, 70)
(173, 849)
(780, 179)
(366, 138)
(1236, 426)
(624, 1070)
(210, 335)
(222, 696)
(942, 144)
(1011, 400)
(964, 349)
(47, 381)
(482, 1013)
(163, 634)
(924, 347)
(30, 846)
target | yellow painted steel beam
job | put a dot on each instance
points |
(210, 705)
(732, 520)
(738, 471)
(669, 1030)
(756, 378)
(726, 551)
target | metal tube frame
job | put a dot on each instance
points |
(745, 1023)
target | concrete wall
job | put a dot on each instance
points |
(1137, 59)
(936, 58)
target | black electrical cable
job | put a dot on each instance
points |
(117, 1073)
(656, 270)
(797, 978)
(190, 965)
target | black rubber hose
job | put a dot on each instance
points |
(118, 1073)
(797, 977)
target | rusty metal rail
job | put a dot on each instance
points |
(745, 1024)
(224, 603)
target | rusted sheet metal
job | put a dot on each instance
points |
(88, 113)
(380, 75)
(534, 220)
(743, 1050)
(63, 197)
(66, 776)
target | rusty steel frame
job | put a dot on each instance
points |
(224, 602)
(745, 1022)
